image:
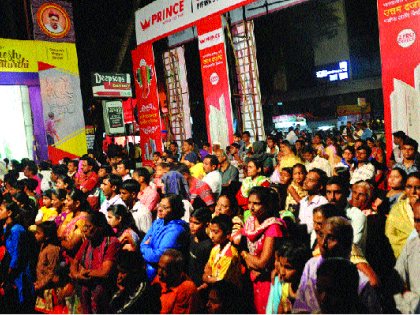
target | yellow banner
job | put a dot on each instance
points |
(23, 55)
(347, 110)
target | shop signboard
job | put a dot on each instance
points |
(147, 102)
(162, 18)
(53, 21)
(399, 30)
(215, 80)
(347, 110)
(113, 117)
(114, 85)
(90, 137)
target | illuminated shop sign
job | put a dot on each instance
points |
(334, 72)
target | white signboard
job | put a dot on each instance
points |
(113, 117)
(162, 17)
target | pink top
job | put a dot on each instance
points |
(38, 188)
(149, 197)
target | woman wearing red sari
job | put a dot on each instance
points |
(262, 230)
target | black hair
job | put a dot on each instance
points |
(142, 171)
(131, 185)
(44, 166)
(182, 168)
(237, 134)
(14, 208)
(157, 153)
(16, 165)
(224, 222)
(98, 219)
(214, 161)
(302, 167)
(20, 184)
(411, 142)
(246, 133)
(190, 141)
(127, 220)
(233, 203)
(232, 301)
(67, 180)
(322, 177)
(90, 161)
(78, 195)
(59, 169)
(115, 180)
(60, 193)
(174, 143)
(339, 181)
(177, 264)
(269, 199)
(202, 215)
(131, 261)
(308, 149)
(75, 162)
(177, 206)
(296, 252)
(350, 148)
(125, 162)
(32, 167)
(11, 176)
(414, 174)
(328, 210)
(288, 170)
(366, 148)
(402, 173)
(48, 193)
(49, 228)
(258, 164)
(107, 168)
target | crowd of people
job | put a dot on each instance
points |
(312, 223)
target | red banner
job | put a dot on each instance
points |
(399, 27)
(147, 102)
(215, 80)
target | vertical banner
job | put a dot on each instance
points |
(147, 102)
(399, 28)
(211, 44)
(53, 21)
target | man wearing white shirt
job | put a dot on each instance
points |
(213, 177)
(141, 214)
(365, 171)
(123, 170)
(315, 161)
(314, 183)
(110, 187)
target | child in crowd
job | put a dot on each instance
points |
(72, 168)
(200, 245)
(291, 257)
(159, 172)
(295, 191)
(58, 197)
(47, 212)
(229, 206)
(224, 260)
(46, 236)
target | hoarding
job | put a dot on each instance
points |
(114, 85)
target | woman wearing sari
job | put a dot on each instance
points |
(261, 231)
(70, 231)
(255, 178)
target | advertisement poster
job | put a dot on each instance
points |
(113, 117)
(90, 137)
(215, 81)
(111, 84)
(62, 111)
(399, 28)
(53, 21)
(147, 102)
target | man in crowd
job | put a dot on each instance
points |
(314, 184)
(187, 148)
(111, 188)
(397, 154)
(237, 138)
(30, 171)
(90, 179)
(213, 177)
(179, 294)
(367, 133)
(123, 169)
(141, 214)
(347, 158)
(174, 149)
(364, 171)
(229, 172)
(312, 160)
(335, 240)
(197, 187)
(410, 162)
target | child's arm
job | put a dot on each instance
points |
(294, 193)
(207, 277)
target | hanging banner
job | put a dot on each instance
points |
(128, 107)
(147, 102)
(53, 21)
(215, 81)
(114, 85)
(399, 28)
(162, 18)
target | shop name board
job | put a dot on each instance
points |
(12, 59)
(162, 18)
(111, 85)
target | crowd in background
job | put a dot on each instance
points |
(311, 223)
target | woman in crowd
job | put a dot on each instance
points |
(396, 183)
(58, 200)
(124, 227)
(93, 267)
(254, 179)
(168, 231)
(65, 182)
(70, 232)
(400, 222)
(261, 231)
(16, 241)
(229, 205)
(259, 148)
(377, 152)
